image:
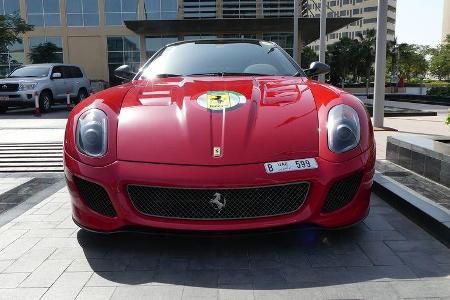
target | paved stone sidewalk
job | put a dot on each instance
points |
(44, 255)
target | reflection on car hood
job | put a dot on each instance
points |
(167, 121)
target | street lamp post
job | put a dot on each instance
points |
(323, 35)
(380, 65)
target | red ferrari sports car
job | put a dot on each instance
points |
(218, 135)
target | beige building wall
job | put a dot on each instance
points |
(368, 18)
(85, 46)
(446, 21)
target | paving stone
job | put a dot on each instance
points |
(425, 246)
(239, 276)
(310, 293)
(67, 286)
(121, 278)
(378, 291)
(424, 265)
(96, 293)
(22, 293)
(9, 236)
(5, 264)
(18, 248)
(97, 265)
(381, 273)
(148, 292)
(342, 291)
(422, 288)
(236, 292)
(380, 254)
(46, 274)
(11, 280)
(30, 260)
(377, 223)
(194, 292)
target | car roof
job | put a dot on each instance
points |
(221, 41)
(49, 65)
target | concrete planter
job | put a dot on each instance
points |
(428, 156)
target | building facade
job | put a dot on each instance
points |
(91, 33)
(364, 9)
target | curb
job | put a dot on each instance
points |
(431, 216)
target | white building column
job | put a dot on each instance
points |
(380, 65)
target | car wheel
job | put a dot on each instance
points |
(45, 101)
(82, 94)
(3, 109)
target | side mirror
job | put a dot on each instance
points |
(124, 72)
(317, 68)
(56, 75)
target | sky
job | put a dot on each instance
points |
(419, 21)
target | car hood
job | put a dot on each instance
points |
(21, 79)
(162, 121)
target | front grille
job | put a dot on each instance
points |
(9, 87)
(95, 197)
(342, 193)
(205, 204)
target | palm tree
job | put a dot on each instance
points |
(392, 49)
(366, 53)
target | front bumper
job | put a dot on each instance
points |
(115, 177)
(18, 99)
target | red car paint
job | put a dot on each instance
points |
(160, 136)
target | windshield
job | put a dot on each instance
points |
(30, 72)
(220, 58)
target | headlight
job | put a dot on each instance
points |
(26, 86)
(343, 129)
(92, 133)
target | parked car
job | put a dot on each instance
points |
(50, 81)
(216, 135)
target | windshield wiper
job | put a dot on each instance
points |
(227, 74)
(166, 75)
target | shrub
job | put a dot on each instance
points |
(448, 118)
(439, 91)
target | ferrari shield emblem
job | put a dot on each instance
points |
(218, 100)
(221, 100)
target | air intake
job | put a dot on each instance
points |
(95, 197)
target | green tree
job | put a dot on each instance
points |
(308, 56)
(11, 26)
(412, 62)
(366, 55)
(440, 60)
(342, 57)
(44, 53)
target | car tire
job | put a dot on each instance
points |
(82, 94)
(3, 109)
(45, 101)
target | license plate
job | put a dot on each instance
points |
(4, 98)
(291, 165)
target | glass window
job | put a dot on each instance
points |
(277, 8)
(239, 9)
(9, 7)
(43, 13)
(199, 9)
(160, 9)
(154, 43)
(82, 12)
(117, 11)
(284, 40)
(122, 50)
(221, 57)
(36, 41)
(12, 58)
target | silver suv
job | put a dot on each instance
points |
(52, 82)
